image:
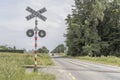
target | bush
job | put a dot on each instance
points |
(13, 51)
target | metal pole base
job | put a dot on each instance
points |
(35, 69)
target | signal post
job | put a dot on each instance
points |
(36, 32)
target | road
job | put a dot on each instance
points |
(72, 69)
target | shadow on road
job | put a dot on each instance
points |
(78, 70)
(57, 57)
(72, 69)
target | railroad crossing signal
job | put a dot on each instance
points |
(36, 31)
(30, 33)
(36, 13)
(41, 33)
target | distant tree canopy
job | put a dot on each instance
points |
(93, 28)
(5, 48)
(43, 50)
(59, 49)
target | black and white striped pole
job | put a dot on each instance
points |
(36, 32)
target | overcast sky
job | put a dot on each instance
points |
(13, 25)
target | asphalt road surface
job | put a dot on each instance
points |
(72, 69)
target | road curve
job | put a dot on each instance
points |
(74, 69)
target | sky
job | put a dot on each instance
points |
(13, 24)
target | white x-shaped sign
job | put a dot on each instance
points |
(36, 13)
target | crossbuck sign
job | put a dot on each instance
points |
(36, 31)
(36, 13)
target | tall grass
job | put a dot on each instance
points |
(28, 59)
(45, 59)
(112, 60)
(39, 76)
(11, 67)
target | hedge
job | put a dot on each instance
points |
(13, 51)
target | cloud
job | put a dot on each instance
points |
(14, 25)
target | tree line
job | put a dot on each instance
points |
(43, 49)
(5, 48)
(93, 28)
(59, 49)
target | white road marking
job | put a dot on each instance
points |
(73, 78)
(61, 71)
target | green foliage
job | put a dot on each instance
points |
(11, 67)
(13, 51)
(94, 28)
(105, 60)
(45, 59)
(43, 50)
(39, 76)
(59, 49)
(5, 48)
(28, 59)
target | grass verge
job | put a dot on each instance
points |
(28, 59)
(61, 54)
(111, 60)
(39, 76)
(11, 67)
(45, 59)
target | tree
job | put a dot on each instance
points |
(43, 50)
(110, 31)
(94, 28)
(3, 47)
(59, 49)
(82, 31)
(14, 47)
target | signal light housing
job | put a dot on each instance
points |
(42, 33)
(30, 33)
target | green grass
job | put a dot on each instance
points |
(61, 54)
(39, 76)
(11, 67)
(28, 59)
(45, 59)
(111, 60)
